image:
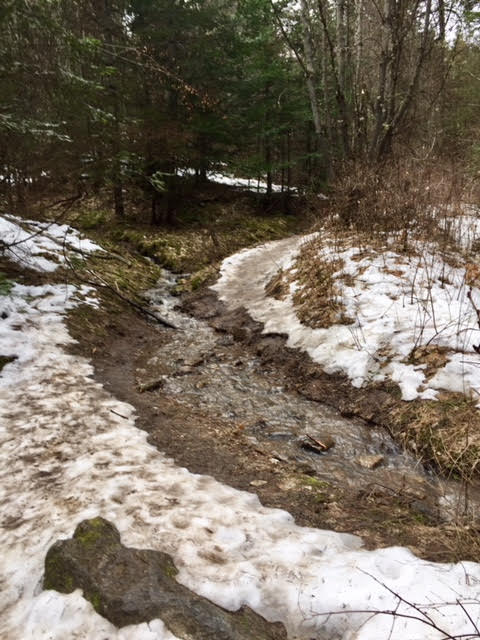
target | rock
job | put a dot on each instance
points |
(370, 461)
(151, 385)
(4, 360)
(319, 444)
(279, 456)
(130, 586)
(305, 468)
(258, 483)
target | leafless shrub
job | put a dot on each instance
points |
(402, 200)
(423, 613)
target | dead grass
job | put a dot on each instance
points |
(432, 357)
(279, 286)
(317, 297)
(444, 433)
(402, 207)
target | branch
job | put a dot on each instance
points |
(288, 39)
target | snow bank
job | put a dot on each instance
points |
(397, 303)
(71, 451)
(41, 246)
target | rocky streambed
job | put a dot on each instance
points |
(221, 362)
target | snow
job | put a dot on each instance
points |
(396, 302)
(41, 246)
(70, 451)
(248, 184)
(464, 229)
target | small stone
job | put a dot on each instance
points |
(279, 456)
(370, 461)
(288, 484)
(151, 385)
(258, 483)
(305, 468)
(319, 444)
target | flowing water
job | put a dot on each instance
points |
(201, 367)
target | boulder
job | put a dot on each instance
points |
(130, 586)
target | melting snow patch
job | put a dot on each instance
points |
(40, 245)
(397, 303)
(248, 184)
(464, 229)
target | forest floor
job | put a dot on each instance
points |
(119, 342)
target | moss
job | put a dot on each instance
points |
(198, 279)
(5, 285)
(56, 576)
(94, 599)
(311, 481)
(90, 532)
(321, 489)
(91, 219)
(171, 570)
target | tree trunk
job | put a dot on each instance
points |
(118, 199)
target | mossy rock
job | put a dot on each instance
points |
(131, 586)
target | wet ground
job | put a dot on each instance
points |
(208, 399)
(201, 367)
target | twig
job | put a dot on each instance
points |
(118, 414)
(100, 282)
(476, 347)
(129, 301)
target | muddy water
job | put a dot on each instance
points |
(201, 367)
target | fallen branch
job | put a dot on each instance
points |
(105, 285)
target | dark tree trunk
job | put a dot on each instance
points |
(118, 200)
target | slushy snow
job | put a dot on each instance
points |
(71, 451)
(397, 303)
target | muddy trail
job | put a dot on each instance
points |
(223, 399)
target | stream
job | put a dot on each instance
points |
(200, 367)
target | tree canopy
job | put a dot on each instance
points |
(125, 93)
